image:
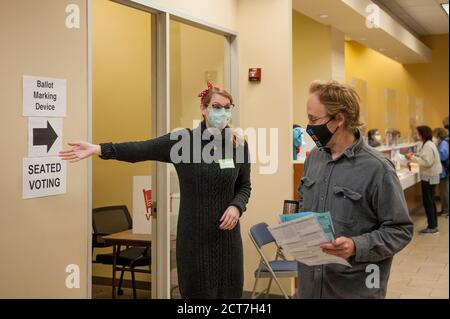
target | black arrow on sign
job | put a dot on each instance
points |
(44, 136)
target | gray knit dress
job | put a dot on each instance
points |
(209, 260)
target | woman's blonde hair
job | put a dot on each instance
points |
(205, 100)
(238, 139)
(441, 133)
(339, 98)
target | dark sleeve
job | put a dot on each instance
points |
(242, 187)
(395, 226)
(157, 149)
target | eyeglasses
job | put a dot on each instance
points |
(219, 106)
(314, 120)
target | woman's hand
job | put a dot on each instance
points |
(409, 156)
(79, 151)
(230, 218)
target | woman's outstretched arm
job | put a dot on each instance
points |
(157, 149)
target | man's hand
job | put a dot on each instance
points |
(343, 247)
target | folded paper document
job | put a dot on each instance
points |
(301, 234)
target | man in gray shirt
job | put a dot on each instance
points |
(361, 190)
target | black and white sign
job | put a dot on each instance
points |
(43, 176)
(44, 136)
(44, 96)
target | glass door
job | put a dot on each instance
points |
(146, 69)
(122, 110)
(196, 56)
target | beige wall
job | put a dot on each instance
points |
(265, 105)
(40, 237)
(218, 12)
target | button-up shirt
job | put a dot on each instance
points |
(362, 192)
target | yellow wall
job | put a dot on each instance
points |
(40, 237)
(426, 81)
(431, 80)
(121, 101)
(196, 56)
(121, 95)
(312, 49)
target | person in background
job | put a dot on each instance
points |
(445, 122)
(361, 190)
(374, 137)
(430, 168)
(297, 135)
(440, 138)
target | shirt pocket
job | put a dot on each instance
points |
(346, 203)
(307, 187)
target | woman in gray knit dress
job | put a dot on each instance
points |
(214, 175)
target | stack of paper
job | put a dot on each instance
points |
(300, 235)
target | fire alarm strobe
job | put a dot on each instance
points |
(254, 74)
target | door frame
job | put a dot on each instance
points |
(161, 120)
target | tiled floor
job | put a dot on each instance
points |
(418, 271)
(421, 269)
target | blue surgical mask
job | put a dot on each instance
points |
(219, 118)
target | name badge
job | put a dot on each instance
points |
(226, 163)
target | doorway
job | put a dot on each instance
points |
(135, 55)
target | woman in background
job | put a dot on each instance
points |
(430, 168)
(440, 138)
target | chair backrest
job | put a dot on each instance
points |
(261, 235)
(111, 219)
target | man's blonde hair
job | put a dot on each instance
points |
(339, 98)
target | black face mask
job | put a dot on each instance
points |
(320, 134)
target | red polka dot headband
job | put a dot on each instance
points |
(205, 92)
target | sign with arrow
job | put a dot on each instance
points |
(44, 136)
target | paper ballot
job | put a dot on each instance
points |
(300, 235)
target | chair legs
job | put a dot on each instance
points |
(268, 288)
(133, 283)
(281, 287)
(119, 289)
(254, 286)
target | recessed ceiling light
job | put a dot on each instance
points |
(445, 7)
(323, 16)
(381, 49)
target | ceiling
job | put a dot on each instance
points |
(420, 17)
(390, 37)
